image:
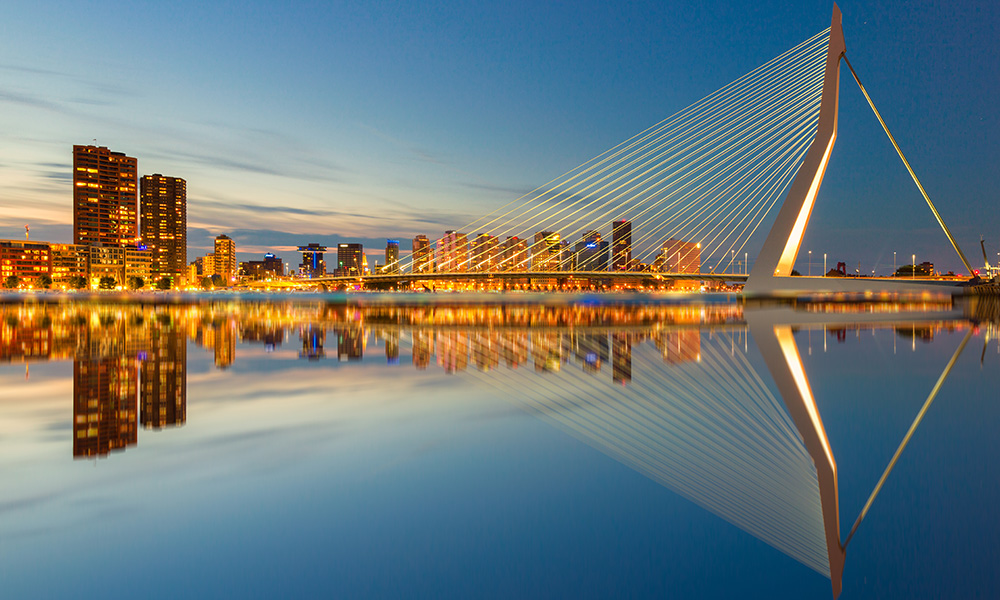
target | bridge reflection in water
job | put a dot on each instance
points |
(683, 404)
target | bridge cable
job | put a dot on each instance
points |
(910, 169)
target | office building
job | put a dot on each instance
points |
(391, 256)
(70, 260)
(484, 253)
(25, 260)
(621, 245)
(591, 254)
(350, 259)
(453, 252)
(422, 262)
(163, 224)
(225, 259)
(515, 255)
(105, 202)
(271, 267)
(313, 264)
(546, 251)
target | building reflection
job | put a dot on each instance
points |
(104, 405)
(163, 380)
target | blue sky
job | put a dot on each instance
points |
(327, 122)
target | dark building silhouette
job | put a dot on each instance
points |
(621, 245)
(349, 259)
(591, 254)
(105, 202)
(621, 358)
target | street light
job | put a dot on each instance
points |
(824, 264)
(810, 263)
(913, 266)
(893, 263)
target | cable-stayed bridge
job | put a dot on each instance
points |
(682, 199)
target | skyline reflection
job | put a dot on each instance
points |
(669, 391)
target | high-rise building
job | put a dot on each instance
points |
(484, 253)
(453, 252)
(312, 264)
(163, 224)
(621, 245)
(546, 251)
(392, 256)
(350, 259)
(515, 254)
(105, 203)
(422, 255)
(591, 254)
(225, 258)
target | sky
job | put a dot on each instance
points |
(360, 121)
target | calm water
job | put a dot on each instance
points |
(387, 446)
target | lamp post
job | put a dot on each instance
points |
(893, 263)
(810, 263)
(824, 264)
(746, 261)
(913, 266)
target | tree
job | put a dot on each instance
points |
(135, 283)
(12, 282)
(44, 282)
(107, 283)
(206, 283)
(76, 282)
(163, 283)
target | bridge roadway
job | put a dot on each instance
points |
(630, 276)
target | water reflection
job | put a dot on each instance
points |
(670, 391)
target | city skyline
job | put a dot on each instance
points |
(385, 154)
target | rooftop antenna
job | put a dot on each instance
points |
(26, 230)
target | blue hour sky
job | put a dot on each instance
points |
(327, 121)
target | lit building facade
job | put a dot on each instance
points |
(392, 256)
(105, 202)
(453, 252)
(514, 254)
(70, 260)
(313, 263)
(422, 259)
(163, 379)
(225, 258)
(484, 253)
(163, 224)
(25, 260)
(546, 252)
